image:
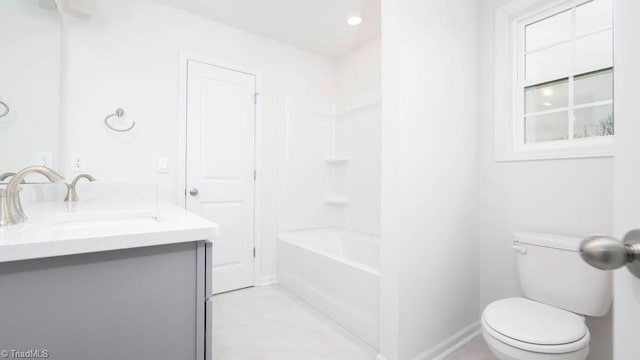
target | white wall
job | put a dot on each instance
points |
(127, 55)
(430, 174)
(571, 197)
(29, 83)
(389, 202)
(359, 72)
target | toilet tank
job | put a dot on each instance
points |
(552, 272)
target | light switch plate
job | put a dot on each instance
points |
(163, 165)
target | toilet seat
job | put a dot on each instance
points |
(531, 326)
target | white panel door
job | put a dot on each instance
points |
(627, 172)
(220, 166)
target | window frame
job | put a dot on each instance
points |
(511, 21)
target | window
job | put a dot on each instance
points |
(554, 80)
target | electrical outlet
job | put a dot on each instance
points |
(44, 158)
(78, 163)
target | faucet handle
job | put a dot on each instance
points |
(71, 188)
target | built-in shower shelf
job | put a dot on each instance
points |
(337, 201)
(338, 160)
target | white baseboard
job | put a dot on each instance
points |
(451, 344)
(267, 280)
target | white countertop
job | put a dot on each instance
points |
(56, 228)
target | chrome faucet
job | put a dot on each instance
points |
(71, 189)
(11, 206)
(4, 206)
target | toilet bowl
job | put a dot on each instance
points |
(522, 329)
(560, 290)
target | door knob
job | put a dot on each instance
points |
(608, 253)
(194, 192)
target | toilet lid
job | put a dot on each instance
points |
(533, 322)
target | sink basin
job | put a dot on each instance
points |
(101, 216)
(82, 224)
(81, 229)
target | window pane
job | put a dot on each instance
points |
(550, 127)
(549, 62)
(594, 51)
(548, 31)
(593, 16)
(547, 96)
(593, 121)
(594, 86)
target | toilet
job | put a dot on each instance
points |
(560, 289)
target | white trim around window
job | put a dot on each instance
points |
(508, 128)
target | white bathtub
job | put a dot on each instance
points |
(336, 271)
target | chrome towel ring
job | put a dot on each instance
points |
(119, 114)
(4, 109)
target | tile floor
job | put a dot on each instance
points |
(475, 350)
(269, 323)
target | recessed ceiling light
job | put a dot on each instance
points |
(547, 91)
(354, 20)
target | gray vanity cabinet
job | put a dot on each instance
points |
(141, 303)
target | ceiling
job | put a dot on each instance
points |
(318, 26)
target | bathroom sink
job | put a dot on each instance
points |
(86, 217)
(84, 224)
(96, 228)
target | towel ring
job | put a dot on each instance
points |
(4, 112)
(119, 114)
